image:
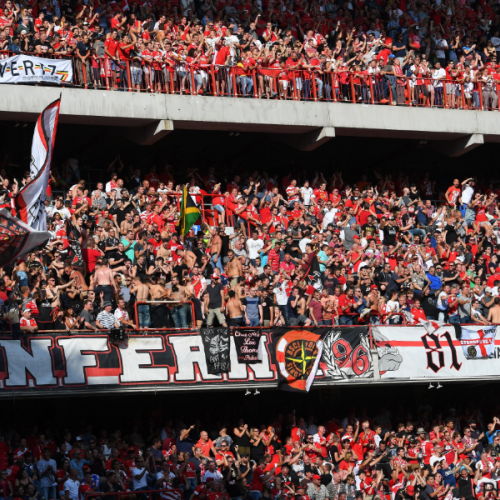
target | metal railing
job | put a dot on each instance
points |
(474, 91)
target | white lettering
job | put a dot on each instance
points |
(137, 365)
(258, 371)
(20, 362)
(186, 358)
(77, 362)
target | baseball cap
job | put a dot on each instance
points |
(410, 490)
(316, 476)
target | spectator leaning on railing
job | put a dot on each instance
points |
(436, 56)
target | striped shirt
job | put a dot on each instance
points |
(107, 320)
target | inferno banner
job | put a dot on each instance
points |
(79, 364)
(448, 352)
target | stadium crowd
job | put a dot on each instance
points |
(265, 252)
(407, 457)
(432, 53)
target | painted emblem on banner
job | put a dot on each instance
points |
(347, 358)
(296, 356)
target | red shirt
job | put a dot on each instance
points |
(112, 46)
(344, 301)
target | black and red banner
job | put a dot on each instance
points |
(84, 364)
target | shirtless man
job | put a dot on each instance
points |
(188, 257)
(164, 251)
(215, 250)
(52, 292)
(77, 276)
(494, 314)
(234, 269)
(177, 293)
(104, 281)
(159, 318)
(127, 224)
(141, 290)
(235, 311)
(303, 320)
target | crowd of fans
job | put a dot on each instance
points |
(436, 53)
(390, 455)
(265, 252)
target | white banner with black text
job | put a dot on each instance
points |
(448, 352)
(29, 69)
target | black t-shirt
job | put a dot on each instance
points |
(179, 270)
(214, 296)
(266, 308)
(293, 253)
(120, 214)
(451, 235)
(110, 242)
(45, 46)
(117, 256)
(465, 487)
(390, 235)
(208, 271)
(429, 306)
(369, 230)
(232, 486)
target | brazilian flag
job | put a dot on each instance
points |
(189, 213)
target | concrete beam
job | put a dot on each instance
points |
(310, 140)
(460, 146)
(148, 135)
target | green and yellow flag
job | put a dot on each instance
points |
(189, 213)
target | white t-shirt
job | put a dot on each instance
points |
(441, 46)
(302, 244)
(119, 314)
(467, 194)
(306, 194)
(436, 74)
(73, 487)
(254, 247)
(280, 292)
(139, 483)
(64, 212)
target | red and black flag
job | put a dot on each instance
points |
(298, 353)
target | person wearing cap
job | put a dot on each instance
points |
(105, 319)
(27, 323)
(214, 301)
(315, 490)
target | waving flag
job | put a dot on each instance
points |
(298, 353)
(189, 213)
(16, 238)
(30, 202)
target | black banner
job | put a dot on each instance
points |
(247, 345)
(346, 353)
(216, 345)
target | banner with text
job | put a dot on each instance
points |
(30, 69)
(159, 361)
(414, 353)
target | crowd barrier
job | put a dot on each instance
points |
(464, 92)
(58, 363)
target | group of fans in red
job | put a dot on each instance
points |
(356, 457)
(436, 54)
